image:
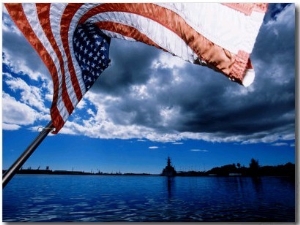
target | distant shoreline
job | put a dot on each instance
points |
(229, 170)
(290, 174)
(66, 172)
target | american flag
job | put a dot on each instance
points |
(73, 39)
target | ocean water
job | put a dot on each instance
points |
(99, 198)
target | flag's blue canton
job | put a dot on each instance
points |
(91, 47)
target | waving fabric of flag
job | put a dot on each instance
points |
(73, 39)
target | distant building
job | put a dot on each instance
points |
(169, 170)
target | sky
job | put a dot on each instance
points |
(148, 105)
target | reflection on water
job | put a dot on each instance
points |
(257, 184)
(170, 185)
(148, 198)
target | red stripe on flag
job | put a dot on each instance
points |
(56, 118)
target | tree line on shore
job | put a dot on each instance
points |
(254, 169)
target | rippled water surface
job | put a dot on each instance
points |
(148, 198)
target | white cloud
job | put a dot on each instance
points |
(168, 61)
(6, 126)
(81, 104)
(30, 95)
(198, 150)
(153, 147)
(177, 143)
(19, 64)
(280, 144)
(15, 113)
(49, 97)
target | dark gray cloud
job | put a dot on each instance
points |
(130, 65)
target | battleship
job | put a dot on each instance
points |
(169, 170)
